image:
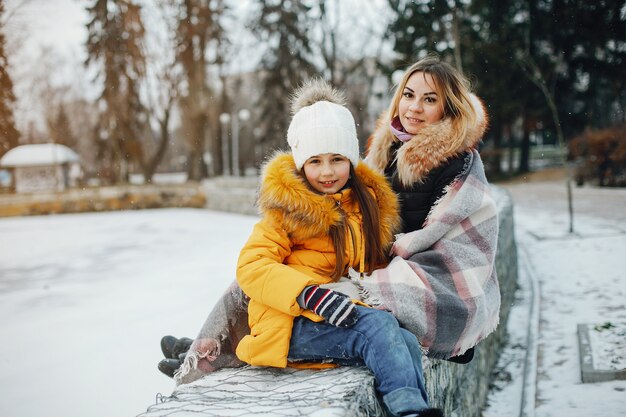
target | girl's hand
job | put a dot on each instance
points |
(337, 309)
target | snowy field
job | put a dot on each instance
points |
(85, 299)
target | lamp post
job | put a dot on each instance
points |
(224, 120)
(242, 115)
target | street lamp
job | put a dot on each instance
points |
(242, 115)
(224, 120)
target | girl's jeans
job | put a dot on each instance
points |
(376, 341)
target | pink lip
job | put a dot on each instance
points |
(413, 120)
(327, 184)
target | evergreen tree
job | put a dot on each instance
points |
(9, 134)
(426, 26)
(475, 38)
(282, 25)
(591, 88)
(491, 55)
(115, 36)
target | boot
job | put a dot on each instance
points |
(430, 412)
(167, 344)
(182, 346)
(427, 412)
(172, 347)
(169, 366)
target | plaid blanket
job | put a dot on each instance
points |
(214, 346)
(441, 285)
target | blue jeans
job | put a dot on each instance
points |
(376, 341)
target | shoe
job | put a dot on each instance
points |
(430, 412)
(169, 366)
(181, 346)
(172, 347)
(167, 345)
(464, 358)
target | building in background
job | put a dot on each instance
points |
(42, 167)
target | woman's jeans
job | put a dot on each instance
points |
(376, 341)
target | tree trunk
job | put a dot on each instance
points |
(150, 167)
(524, 155)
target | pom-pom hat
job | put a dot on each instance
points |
(321, 124)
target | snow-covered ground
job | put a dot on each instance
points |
(85, 298)
(577, 278)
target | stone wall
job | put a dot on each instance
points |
(231, 194)
(127, 197)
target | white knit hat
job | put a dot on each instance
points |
(321, 124)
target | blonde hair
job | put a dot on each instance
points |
(452, 88)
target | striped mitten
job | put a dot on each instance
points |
(337, 309)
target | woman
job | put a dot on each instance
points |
(426, 146)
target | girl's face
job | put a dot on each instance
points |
(419, 104)
(328, 172)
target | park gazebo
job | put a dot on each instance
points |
(42, 167)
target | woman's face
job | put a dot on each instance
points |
(420, 104)
(327, 173)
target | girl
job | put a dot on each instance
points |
(324, 212)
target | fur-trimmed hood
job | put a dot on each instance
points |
(427, 150)
(304, 213)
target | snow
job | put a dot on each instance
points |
(85, 299)
(39, 154)
(578, 278)
(608, 341)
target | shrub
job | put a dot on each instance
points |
(600, 156)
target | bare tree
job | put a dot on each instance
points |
(351, 56)
(60, 130)
(9, 134)
(161, 88)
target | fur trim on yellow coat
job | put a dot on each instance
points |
(290, 249)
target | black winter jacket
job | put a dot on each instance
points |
(417, 200)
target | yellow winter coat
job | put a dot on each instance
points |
(290, 248)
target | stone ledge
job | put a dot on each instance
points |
(250, 391)
(590, 370)
(127, 197)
